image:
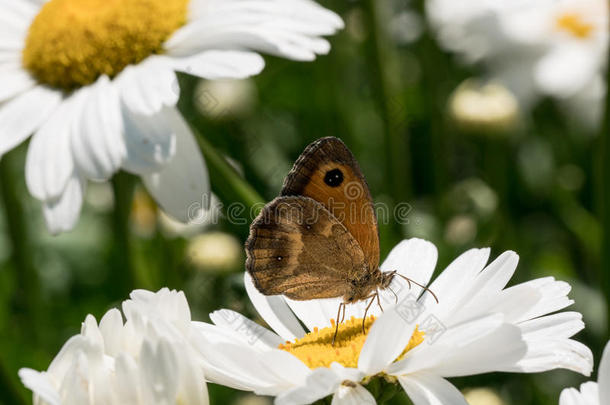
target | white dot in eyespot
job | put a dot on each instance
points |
(279, 258)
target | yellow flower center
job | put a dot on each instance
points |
(315, 349)
(73, 42)
(575, 25)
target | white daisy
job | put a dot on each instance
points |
(149, 359)
(591, 393)
(544, 47)
(479, 327)
(95, 82)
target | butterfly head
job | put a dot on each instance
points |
(386, 279)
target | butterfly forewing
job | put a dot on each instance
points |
(328, 173)
(299, 249)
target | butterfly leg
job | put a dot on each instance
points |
(343, 316)
(372, 297)
(395, 296)
(337, 322)
(378, 300)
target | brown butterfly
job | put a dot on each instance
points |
(319, 239)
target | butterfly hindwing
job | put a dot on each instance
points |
(299, 249)
(328, 173)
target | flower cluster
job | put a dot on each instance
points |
(96, 83)
(479, 326)
(543, 48)
(148, 359)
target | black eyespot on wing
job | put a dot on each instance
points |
(333, 178)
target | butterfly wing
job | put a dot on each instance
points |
(328, 173)
(299, 249)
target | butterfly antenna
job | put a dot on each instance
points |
(365, 312)
(419, 285)
(337, 323)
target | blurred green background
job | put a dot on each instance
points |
(514, 180)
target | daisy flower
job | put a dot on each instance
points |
(591, 393)
(479, 327)
(146, 360)
(551, 48)
(95, 82)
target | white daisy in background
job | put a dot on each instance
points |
(591, 393)
(95, 82)
(479, 327)
(149, 359)
(538, 48)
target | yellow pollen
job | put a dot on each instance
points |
(316, 350)
(575, 25)
(73, 42)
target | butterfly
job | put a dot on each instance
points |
(319, 238)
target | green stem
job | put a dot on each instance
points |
(123, 277)
(386, 73)
(226, 181)
(10, 393)
(603, 200)
(27, 294)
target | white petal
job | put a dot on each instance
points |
(14, 81)
(97, 141)
(181, 187)
(40, 384)
(441, 347)
(414, 259)
(245, 368)
(314, 313)
(429, 389)
(21, 116)
(61, 214)
(159, 365)
(512, 302)
(275, 311)
(319, 384)
(219, 64)
(357, 395)
(560, 325)
(192, 385)
(251, 332)
(497, 351)
(387, 338)
(477, 297)
(150, 141)
(284, 28)
(127, 379)
(604, 377)
(549, 354)
(111, 325)
(554, 296)
(49, 163)
(15, 19)
(566, 70)
(149, 87)
(451, 283)
(588, 395)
